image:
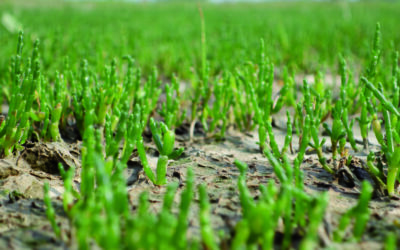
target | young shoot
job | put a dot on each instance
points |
(360, 213)
(315, 115)
(16, 128)
(50, 212)
(164, 139)
(170, 110)
(207, 233)
(390, 146)
(337, 132)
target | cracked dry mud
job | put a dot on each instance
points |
(23, 223)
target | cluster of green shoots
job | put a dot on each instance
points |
(14, 130)
(101, 213)
(164, 138)
(261, 219)
(118, 107)
(390, 141)
(316, 106)
(299, 211)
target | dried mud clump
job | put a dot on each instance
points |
(47, 156)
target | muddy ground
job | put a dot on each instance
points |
(23, 223)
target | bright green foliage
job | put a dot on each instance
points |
(347, 93)
(390, 242)
(179, 236)
(390, 146)
(143, 158)
(316, 216)
(50, 213)
(364, 120)
(284, 173)
(170, 110)
(315, 115)
(381, 97)
(376, 172)
(223, 100)
(129, 128)
(260, 219)
(337, 132)
(297, 42)
(15, 129)
(289, 132)
(109, 98)
(375, 53)
(243, 101)
(288, 138)
(360, 213)
(101, 210)
(260, 94)
(207, 233)
(395, 78)
(145, 230)
(43, 108)
(164, 138)
(52, 101)
(69, 193)
(305, 139)
(103, 197)
(202, 86)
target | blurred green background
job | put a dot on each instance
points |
(305, 36)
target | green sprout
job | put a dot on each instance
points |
(69, 194)
(364, 120)
(346, 92)
(52, 100)
(202, 90)
(207, 233)
(50, 213)
(128, 129)
(146, 167)
(381, 97)
(390, 242)
(179, 236)
(164, 138)
(260, 219)
(242, 100)
(376, 52)
(390, 146)
(222, 104)
(316, 216)
(16, 128)
(360, 213)
(103, 198)
(376, 172)
(170, 110)
(315, 115)
(337, 132)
